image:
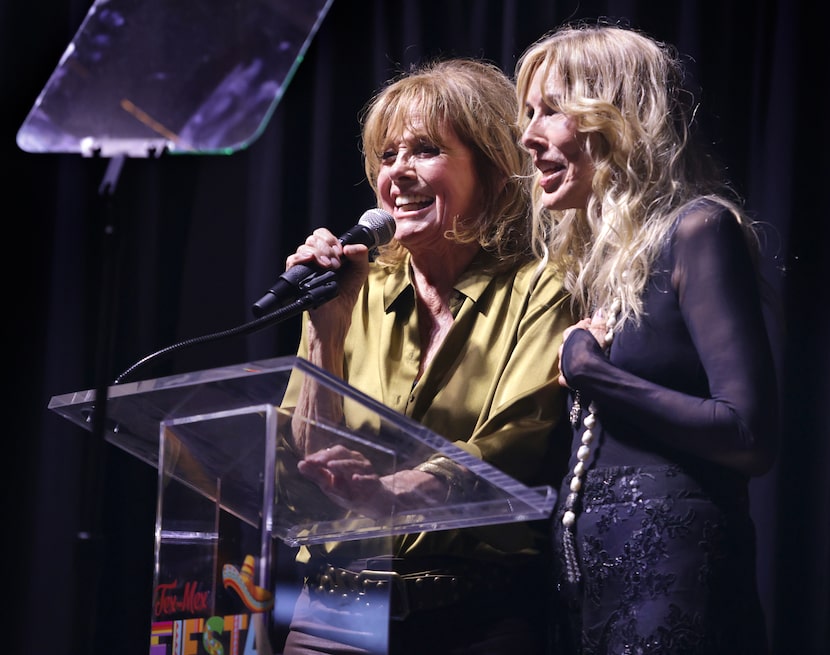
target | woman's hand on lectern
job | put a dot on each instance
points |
(349, 479)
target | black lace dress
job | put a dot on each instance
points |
(664, 541)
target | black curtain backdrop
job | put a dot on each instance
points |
(199, 238)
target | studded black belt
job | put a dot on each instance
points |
(403, 592)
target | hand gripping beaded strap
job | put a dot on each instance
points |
(583, 453)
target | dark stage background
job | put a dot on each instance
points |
(199, 238)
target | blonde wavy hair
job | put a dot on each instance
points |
(477, 101)
(624, 91)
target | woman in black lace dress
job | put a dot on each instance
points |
(674, 397)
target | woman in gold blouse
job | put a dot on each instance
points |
(455, 325)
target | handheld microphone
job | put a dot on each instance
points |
(375, 228)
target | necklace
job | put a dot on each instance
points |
(583, 454)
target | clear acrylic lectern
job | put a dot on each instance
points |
(221, 441)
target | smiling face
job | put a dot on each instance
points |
(558, 150)
(426, 186)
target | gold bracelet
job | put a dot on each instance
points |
(454, 476)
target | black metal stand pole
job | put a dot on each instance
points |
(91, 545)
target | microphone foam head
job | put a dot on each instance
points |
(381, 223)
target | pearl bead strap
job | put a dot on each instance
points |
(583, 454)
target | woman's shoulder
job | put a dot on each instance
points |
(707, 218)
(709, 229)
(538, 278)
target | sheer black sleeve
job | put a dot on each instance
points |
(735, 422)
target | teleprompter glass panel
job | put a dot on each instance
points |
(142, 77)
